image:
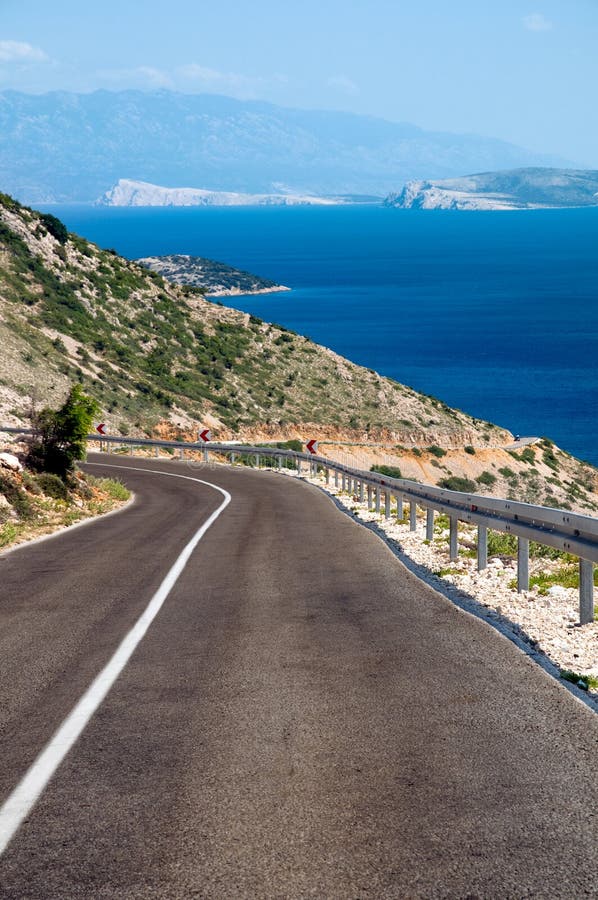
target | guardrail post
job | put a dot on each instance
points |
(156, 453)
(232, 459)
(344, 482)
(399, 508)
(181, 452)
(522, 564)
(586, 592)
(361, 491)
(348, 483)
(369, 496)
(377, 499)
(109, 447)
(131, 448)
(482, 547)
(412, 515)
(257, 460)
(280, 463)
(387, 504)
(429, 524)
(327, 475)
(454, 538)
(335, 478)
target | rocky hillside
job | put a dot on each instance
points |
(532, 188)
(151, 351)
(161, 359)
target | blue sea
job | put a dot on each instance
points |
(496, 313)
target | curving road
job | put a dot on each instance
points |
(303, 718)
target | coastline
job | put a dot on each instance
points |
(237, 292)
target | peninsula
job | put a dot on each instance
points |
(214, 279)
(529, 188)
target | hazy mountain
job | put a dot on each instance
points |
(61, 147)
(530, 188)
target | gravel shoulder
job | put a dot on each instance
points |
(544, 622)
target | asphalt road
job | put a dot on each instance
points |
(304, 718)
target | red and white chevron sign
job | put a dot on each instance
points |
(205, 435)
(101, 428)
(312, 446)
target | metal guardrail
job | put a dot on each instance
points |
(570, 532)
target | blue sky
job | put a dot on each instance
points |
(523, 71)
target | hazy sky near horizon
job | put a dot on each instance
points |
(523, 71)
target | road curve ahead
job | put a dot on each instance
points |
(303, 717)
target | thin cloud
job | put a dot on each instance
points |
(138, 77)
(198, 76)
(537, 22)
(154, 77)
(21, 52)
(342, 83)
(192, 77)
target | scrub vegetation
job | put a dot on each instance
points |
(150, 351)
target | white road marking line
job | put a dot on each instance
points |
(26, 794)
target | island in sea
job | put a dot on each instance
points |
(214, 279)
(141, 193)
(530, 188)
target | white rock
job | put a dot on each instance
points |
(9, 461)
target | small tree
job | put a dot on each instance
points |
(56, 228)
(59, 436)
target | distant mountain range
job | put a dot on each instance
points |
(64, 147)
(530, 188)
(140, 193)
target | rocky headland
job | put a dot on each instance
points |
(141, 193)
(214, 279)
(530, 188)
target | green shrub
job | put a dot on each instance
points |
(527, 455)
(59, 437)
(456, 483)
(52, 486)
(56, 228)
(437, 451)
(486, 478)
(507, 473)
(115, 489)
(390, 471)
(469, 449)
(585, 682)
(293, 444)
(550, 459)
(16, 496)
(501, 544)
